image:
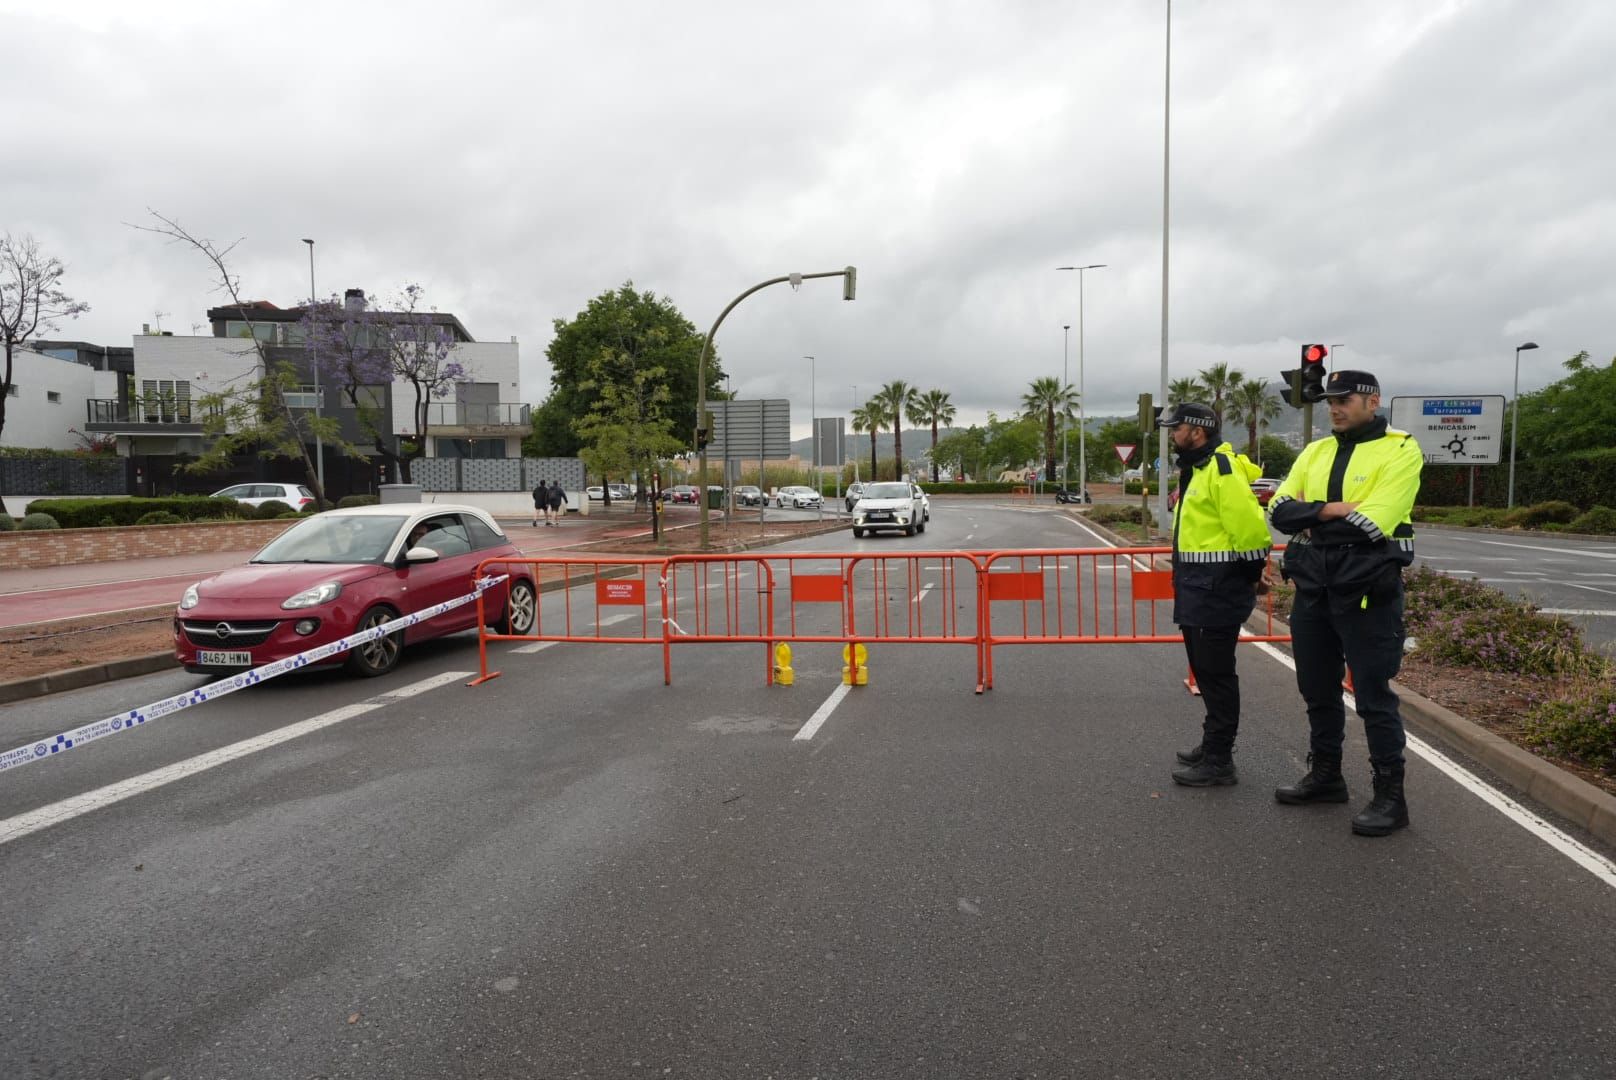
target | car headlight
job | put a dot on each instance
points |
(190, 599)
(323, 593)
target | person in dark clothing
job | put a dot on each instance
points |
(541, 504)
(1220, 546)
(558, 502)
(1347, 503)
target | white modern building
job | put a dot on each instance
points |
(45, 405)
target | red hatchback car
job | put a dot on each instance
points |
(343, 571)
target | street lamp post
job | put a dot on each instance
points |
(1082, 418)
(1333, 348)
(1515, 418)
(813, 430)
(1066, 455)
(314, 362)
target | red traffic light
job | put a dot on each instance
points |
(1314, 354)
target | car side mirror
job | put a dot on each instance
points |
(420, 555)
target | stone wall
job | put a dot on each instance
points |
(64, 547)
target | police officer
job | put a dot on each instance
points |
(1220, 547)
(1346, 504)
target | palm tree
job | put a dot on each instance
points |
(1220, 380)
(1046, 397)
(898, 397)
(870, 416)
(933, 407)
(1252, 404)
(1186, 389)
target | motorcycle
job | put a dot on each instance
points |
(1067, 495)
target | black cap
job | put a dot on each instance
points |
(1190, 412)
(1342, 383)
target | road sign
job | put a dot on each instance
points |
(751, 429)
(1454, 430)
(830, 435)
(1125, 451)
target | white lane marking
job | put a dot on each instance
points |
(1557, 550)
(1573, 611)
(970, 536)
(537, 646)
(87, 614)
(921, 595)
(1584, 856)
(56, 813)
(821, 714)
(1467, 558)
(1592, 588)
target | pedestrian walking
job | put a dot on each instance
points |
(541, 504)
(558, 502)
(1220, 548)
(1347, 504)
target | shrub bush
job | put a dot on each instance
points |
(160, 517)
(106, 523)
(38, 521)
(290, 514)
(1540, 514)
(89, 513)
(1601, 519)
(1461, 622)
(7, 523)
(272, 509)
(1137, 487)
(1119, 514)
(1581, 725)
(357, 500)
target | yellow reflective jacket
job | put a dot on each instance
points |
(1377, 467)
(1220, 542)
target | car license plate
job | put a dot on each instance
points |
(880, 517)
(224, 659)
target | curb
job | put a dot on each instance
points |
(1565, 793)
(90, 675)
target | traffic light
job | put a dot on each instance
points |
(849, 282)
(704, 431)
(1292, 378)
(1311, 381)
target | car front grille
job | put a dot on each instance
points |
(240, 635)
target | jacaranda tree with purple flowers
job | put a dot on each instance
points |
(362, 350)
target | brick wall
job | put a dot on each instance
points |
(63, 547)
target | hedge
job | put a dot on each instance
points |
(92, 513)
(1585, 479)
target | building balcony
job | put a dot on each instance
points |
(453, 419)
(109, 416)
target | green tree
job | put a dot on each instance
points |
(1276, 456)
(1577, 412)
(964, 448)
(1044, 400)
(634, 332)
(898, 398)
(627, 426)
(1122, 431)
(1010, 444)
(1251, 404)
(934, 408)
(1220, 380)
(870, 416)
(1183, 389)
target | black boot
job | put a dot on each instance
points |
(1323, 783)
(1386, 812)
(1193, 755)
(1213, 770)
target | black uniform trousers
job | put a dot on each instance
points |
(1369, 640)
(1211, 653)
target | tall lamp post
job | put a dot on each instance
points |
(314, 362)
(1515, 417)
(1066, 455)
(1082, 419)
(1333, 348)
(1167, 147)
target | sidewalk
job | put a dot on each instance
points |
(82, 590)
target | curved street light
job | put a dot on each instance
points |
(1515, 417)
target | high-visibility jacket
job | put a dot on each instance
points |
(1375, 466)
(1220, 542)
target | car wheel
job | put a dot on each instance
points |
(922, 526)
(908, 530)
(858, 533)
(379, 656)
(521, 610)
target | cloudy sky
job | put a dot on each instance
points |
(1428, 183)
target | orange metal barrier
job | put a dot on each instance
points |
(1038, 597)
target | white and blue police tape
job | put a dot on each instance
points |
(126, 721)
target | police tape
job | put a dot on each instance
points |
(127, 721)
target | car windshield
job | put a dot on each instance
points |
(886, 491)
(334, 539)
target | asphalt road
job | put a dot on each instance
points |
(1572, 578)
(574, 870)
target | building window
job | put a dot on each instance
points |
(470, 448)
(53, 397)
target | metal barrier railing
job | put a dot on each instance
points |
(1035, 597)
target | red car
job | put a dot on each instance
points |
(1264, 490)
(343, 571)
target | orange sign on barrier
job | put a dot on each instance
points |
(620, 592)
(1152, 585)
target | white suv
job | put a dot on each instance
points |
(892, 505)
